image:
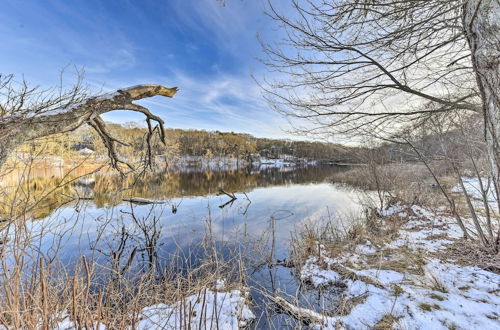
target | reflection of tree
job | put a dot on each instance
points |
(127, 238)
(149, 231)
(109, 189)
(24, 194)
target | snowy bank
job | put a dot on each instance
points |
(403, 282)
(209, 309)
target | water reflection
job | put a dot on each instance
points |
(269, 205)
(49, 189)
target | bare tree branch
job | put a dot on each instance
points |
(29, 113)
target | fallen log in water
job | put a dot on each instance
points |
(139, 200)
(230, 195)
(303, 315)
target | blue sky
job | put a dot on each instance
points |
(209, 51)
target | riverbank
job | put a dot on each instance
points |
(178, 163)
(216, 307)
(409, 268)
(175, 293)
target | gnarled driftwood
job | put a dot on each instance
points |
(20, 126)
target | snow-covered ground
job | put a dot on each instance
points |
(222, 310)
(434, 294)
(210, 309)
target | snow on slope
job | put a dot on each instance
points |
(442, 296)
(210, 309)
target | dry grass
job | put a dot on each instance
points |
(386, 322)
(313, 239)
(400, 260)
(42, 298)
(471, 253)
(409, 182)
(429, 308)
(36, 292)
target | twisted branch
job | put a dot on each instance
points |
(18, 125)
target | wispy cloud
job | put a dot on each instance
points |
(205, 49)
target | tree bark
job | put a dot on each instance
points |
(481, 19)
(16, 130)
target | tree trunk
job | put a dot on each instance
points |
(481, 19)
(16, 130)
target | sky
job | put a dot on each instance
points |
(206, 49)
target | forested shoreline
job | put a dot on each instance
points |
(180, 143)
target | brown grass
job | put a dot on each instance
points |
(410, 182)
(38, 293)
(386, 322)
(470, 253)
(40, 300)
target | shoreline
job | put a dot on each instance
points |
(413, 274)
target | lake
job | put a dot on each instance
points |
(91, 218)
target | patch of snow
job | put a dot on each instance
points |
(445, 296)
(221, 310)
(366, 248)
(220, 285)
(392, 210)
(427, 231)
(86, 151)
(313, 274)
(384, 277)
(67, 324)
(471, 300)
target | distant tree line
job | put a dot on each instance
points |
(180, 142)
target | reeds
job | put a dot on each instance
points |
(41, 292)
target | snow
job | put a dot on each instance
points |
(442, 296)
(419, 305)
(220, 285)
(197, 163)
(67, 324)
(392, 210)
(211, 309)
(385, 277)
(284, 161)
(366, 248)
(313, 274)
(420, 230)
(86, 151)
(223, 310)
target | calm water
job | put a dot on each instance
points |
(271, 204)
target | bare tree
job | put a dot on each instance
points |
(481, 22)
(370, 67)
(28, 113)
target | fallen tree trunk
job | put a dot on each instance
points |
(230, 195)
(144, 201)
(17, 128)
(304, 315)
